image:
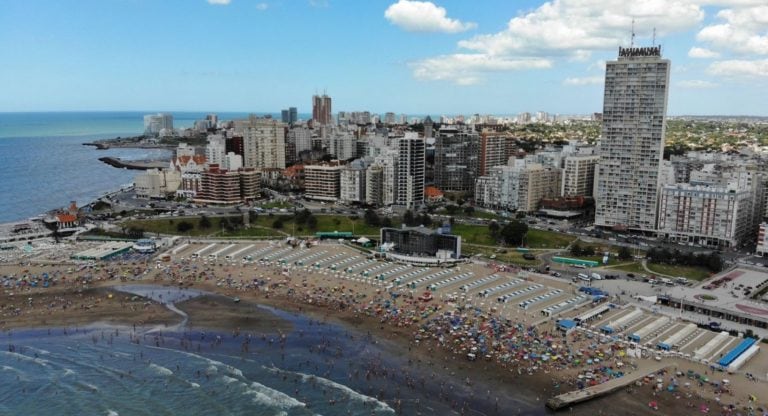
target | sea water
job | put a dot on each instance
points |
(44, 165)
(317, 369)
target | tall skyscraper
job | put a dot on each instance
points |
(409, 171)
(289, 116)
(321, 109)
(632, 145)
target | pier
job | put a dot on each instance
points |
(135, 165)
(577, 396)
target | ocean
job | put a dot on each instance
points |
(319, 369)
(43, 164)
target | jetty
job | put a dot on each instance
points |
(135, 164)
(577, 396)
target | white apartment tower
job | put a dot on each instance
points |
(632, 145)
(215, 150)
(409, 171)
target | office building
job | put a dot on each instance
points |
(321, 109)
(632, 145)
(457, 150)
(420, 242)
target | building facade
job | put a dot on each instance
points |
(322, 182)
(264, 144)
(409, 172)
(632, 145)
(579, 175)
(457, 151)
(706, 215)
(321, 109)
(157, 183)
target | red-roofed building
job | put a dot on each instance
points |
(433, 194)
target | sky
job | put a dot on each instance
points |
(413, 57)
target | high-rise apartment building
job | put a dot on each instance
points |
(215, 150)
(409, 171)
(352, 182)
(323, 182)
(632, 145)
(321, 109)
(342, 145)
(154, 124)
(579, 175)
(457, 150)
(289, 115)
(264, 144)
(707, 215)
(520, 186)
(495, 150)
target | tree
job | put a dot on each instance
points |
(277, 223)
(624, 253)
(494, 229)
(408, 218)
(514, 232)
(452, 209)
(312, 222)
(184, 226)
(576, 249)
(371, 218)
(469, 210)
(588, 251)
(205, 222)
(386, 222)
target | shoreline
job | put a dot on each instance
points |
(424, 358)
(416, 333)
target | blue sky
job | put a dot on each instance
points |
(413, 57)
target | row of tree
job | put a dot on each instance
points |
(512, 233)
(710, 261)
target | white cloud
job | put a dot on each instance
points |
(703, 53)
(579, 81)
(219, 2)
(696, 83)
(424, 16)
(743, 30)
(262, 6)
(740, 68)
(576, 27)
(465, 69)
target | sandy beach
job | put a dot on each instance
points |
(419, 331)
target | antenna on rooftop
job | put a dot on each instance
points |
(654, 37)
(632, 38)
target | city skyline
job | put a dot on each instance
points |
(264, 56)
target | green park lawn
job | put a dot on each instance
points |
(689, 272)
(473, 234)
(262, 226)
(547, 239)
